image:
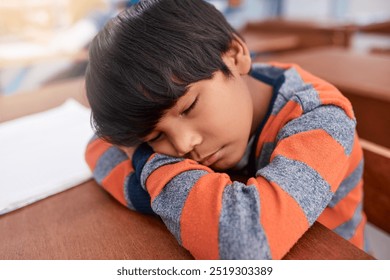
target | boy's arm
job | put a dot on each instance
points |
(113, 169)
(214, 218)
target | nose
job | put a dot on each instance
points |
(184, 140)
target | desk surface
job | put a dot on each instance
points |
(262, 42)
(362, 74)
(87, 223)
(362, 78)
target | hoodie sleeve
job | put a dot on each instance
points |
(216, 218)
(117, 174)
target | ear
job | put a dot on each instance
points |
(238, 56)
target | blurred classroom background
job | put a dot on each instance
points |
(42, 41)
(44, 53)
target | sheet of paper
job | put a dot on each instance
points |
(43, 154)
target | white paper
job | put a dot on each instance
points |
(43, 154)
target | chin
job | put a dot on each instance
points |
(224, 165)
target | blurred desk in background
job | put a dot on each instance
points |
(301, 34)
(269, 43)
(362, 78)
(85, 222)
(50, 96)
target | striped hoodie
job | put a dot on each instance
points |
(305, 164)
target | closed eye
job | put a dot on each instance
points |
(155, 138)
(191, 107)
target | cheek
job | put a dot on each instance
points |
(164, 147)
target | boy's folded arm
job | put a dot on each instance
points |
(114, 171)
(214, 218)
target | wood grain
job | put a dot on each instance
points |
(86, 223)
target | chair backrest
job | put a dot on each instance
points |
(377, 184)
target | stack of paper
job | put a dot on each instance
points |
(43, 154)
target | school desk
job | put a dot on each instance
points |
(85, 222)
(307, 34)
(362, 78)
(259, 43)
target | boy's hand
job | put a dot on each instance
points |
(129, 151)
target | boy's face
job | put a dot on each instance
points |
(210, 124)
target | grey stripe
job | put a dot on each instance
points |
(348, 229)
(240, 233)
(265, 154)
(110, 159)
(347, 185)
(301, 182)
(279, 103)
(126, 191)
(330, 118)
(292, 85)
(157, 161)
(308, 99)
(169, 203)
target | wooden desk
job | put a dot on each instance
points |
(363, 78)
(85, 222)
(268, 43)
(26, 103)
(307, 34)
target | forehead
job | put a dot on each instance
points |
(202, 89)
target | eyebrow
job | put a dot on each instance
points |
(187, 102)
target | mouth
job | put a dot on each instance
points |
(211, 159)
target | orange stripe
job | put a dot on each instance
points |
(94, 151)
(291, 110)
(329, 97)
(344, 210)
(312, 147)
(161, 176)
(358, 238)
(282, 218)
(114, 181)
(328, 93)
(281, 64)
(200, 216)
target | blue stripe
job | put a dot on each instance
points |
(301, 182)
(241, 235)
(107, 162)
(137, 198)
(140, 157)
(330, 118)
(267, 73)
(169, 203)
(347, 185)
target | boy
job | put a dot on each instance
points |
(172, 88)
